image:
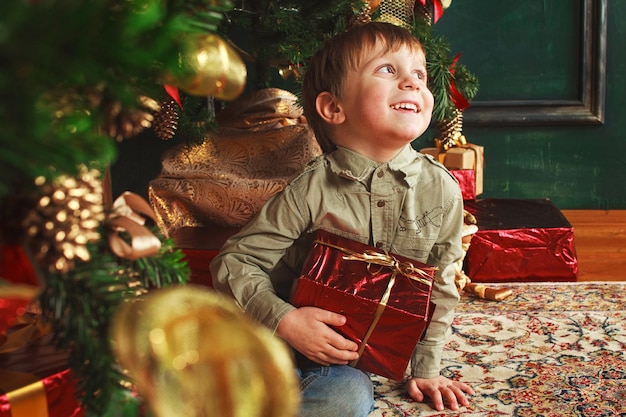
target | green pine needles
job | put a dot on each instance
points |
(80, 306)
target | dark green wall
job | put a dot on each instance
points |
(522, 50)
(578, 166)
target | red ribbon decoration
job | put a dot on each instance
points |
(172, 91)
(438, 8)
(457, 98)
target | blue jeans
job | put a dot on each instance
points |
(335, 391)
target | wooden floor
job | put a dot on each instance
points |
(600, 241)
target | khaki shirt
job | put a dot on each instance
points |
(411, 206)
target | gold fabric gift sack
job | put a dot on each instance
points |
(261, 143)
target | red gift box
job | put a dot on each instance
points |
(35, 381)
(18, 285)
(467, 182)
(385, 298)
(520, 240)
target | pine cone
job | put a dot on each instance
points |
(125, 123)
(452, 131)
(65, 220)
(166, 120)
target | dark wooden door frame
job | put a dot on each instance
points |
(587, 110)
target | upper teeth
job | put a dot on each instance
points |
(408, 106)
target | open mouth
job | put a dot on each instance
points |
(405, 106)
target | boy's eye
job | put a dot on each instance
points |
(420, 74)
(386, 69)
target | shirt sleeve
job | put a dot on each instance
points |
(242, 267)
(426, 360)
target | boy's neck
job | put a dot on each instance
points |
(377, 154)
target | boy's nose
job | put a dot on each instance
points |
(409, 83)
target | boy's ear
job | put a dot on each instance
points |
(328, 108)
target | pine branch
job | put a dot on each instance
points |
(80, 306)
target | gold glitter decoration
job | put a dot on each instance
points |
(397, 12)
(65, 220)
(451, 132)
(166, 120)
(192, 352)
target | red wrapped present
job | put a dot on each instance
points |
(466, 163)
(467, 182)
(385, 297)
(35, 381)
(520, 240)
(19, 285)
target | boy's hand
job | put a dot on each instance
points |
(439, 389)
(307, 330)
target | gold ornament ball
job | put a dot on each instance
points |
(193, 353)
(210, 66)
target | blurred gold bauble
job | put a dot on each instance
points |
(193, 353)
(210, 67)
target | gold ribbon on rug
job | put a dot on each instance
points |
(129, 215)
(371, 257)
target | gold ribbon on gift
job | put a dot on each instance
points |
(371, 257)
(25, 392)
(129, 216)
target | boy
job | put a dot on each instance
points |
(365, 96)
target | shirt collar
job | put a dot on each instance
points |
(352, 165)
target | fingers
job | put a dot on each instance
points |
(331, 318)
(441, 392)
(336, 340)
(414, 391)
(332, 356)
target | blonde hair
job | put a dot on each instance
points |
(327, 69)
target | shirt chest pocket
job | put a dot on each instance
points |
(414, 247)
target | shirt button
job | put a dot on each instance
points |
(381, 203)
(380, 174)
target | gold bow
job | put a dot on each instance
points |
(457, 140)
(372, 257)
(129, 216)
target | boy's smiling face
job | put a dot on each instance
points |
(385, 102)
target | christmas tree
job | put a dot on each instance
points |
(80, 76)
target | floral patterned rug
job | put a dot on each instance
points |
(551, 349)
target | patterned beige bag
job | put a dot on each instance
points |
(262, 142)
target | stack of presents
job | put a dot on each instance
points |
(34, 376)
(518, 240)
